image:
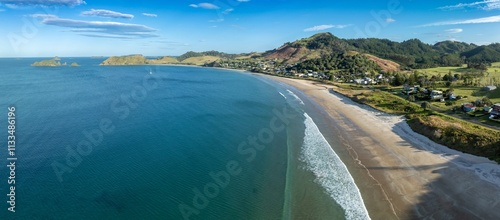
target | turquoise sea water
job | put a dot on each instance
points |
(165, 142)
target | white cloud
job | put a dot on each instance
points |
(17, 3)
(325, 27)
(243, 0)
(492, 19)
(485, 5)
(104, 29)
(227, 11)
(455, 30)
(106, 13)
(390, 20)
(43, 16)
(319, 28)
(150, 15)
(204, 6)
(217, 20)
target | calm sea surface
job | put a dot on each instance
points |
(165, 142)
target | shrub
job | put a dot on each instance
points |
(425, 105)
(411, 98)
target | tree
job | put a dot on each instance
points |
(398, 80)
(425, 105)
(486, 101)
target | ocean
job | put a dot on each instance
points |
(165, 142)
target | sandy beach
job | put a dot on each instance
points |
(401, 174)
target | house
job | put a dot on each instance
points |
(495, 109)
(436, 95)
(487, 109)
(490, 88)
(407, 89)
(365, 81)
(468, 107)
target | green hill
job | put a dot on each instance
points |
(200, 60)
(389, 55)
(314, 47)
(164, 60)
(212, 53)
(482, 54)
(125, 60)
(453, 47)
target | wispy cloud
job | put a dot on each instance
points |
(454, 30)
(106, 13)
(169, 42)
(217, 20)
(14, 3)
(205, 6)
(325, 27)
(491, 19)
(100, 28)
(150, 15)
(243, 0)
(390, 20)
(485, 5)
(227, 11)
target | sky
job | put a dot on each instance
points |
(46, 28)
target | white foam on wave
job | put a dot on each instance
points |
(331, 173)
(282, 95)
(293, 94)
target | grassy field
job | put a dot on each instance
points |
(494, 70)
(200, 60)
(471, 93)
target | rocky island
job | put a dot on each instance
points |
(56, 61)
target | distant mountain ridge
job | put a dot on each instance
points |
(411, 53)
(389, 55)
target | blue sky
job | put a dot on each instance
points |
(33, 28)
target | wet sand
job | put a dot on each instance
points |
(401, 174)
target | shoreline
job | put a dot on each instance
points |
(402, 174)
